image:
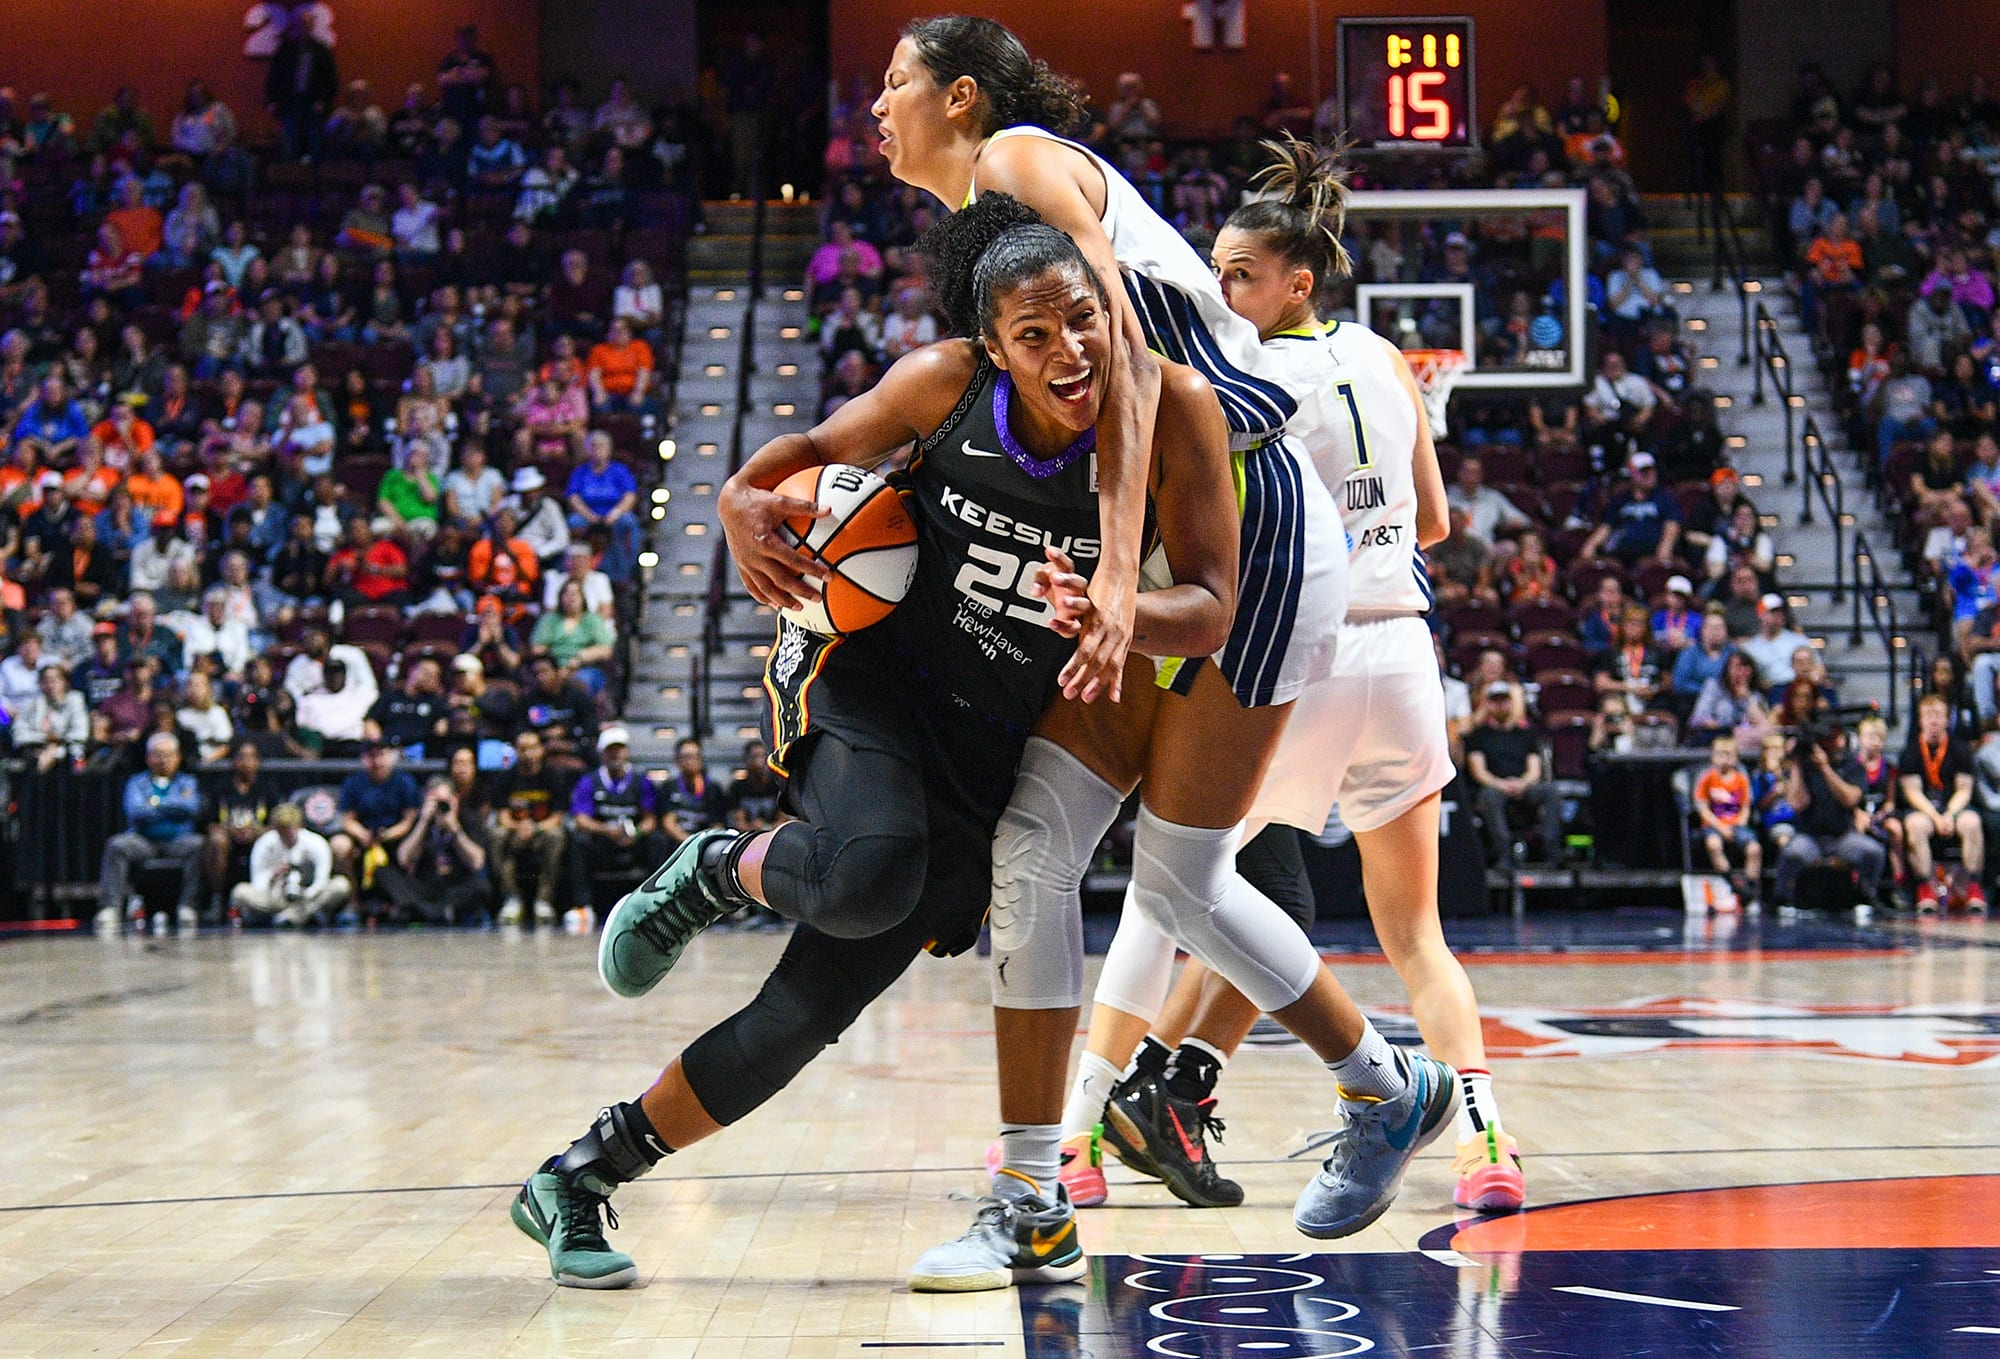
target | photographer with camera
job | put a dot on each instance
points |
(1830, 819)
(1938, 783)
(292, 882)
(439, 873)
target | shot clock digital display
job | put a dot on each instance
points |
(1407, 84)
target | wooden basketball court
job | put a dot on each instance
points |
(254, 1144)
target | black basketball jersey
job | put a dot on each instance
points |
(968, 636)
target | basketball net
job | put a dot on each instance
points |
(1437, 371)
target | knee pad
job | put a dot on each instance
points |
(1138, 967)
(1059, 812)
(1184, 881)
(850, 887)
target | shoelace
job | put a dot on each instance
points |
(582, 1207)
(669, 927)
(993, 1211)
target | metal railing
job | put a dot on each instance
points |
(1731, 268)
(701, 664)
(1822, 479)
(1872, 596)
(1774, 363)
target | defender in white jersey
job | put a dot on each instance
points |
(1371, 736)
(1292, 580)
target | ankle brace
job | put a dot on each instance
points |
(717, 870)
(620, 1146)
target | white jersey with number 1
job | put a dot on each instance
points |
(1371, 735)
(1359, 423)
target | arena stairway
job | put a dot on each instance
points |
(685, 680)
(1806, 551)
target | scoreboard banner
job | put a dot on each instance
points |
(1408, 84)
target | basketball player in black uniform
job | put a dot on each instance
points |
(901, 741)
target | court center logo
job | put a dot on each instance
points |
(1928, 1035)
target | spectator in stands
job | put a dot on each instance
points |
(357, 128)
(755, 791)
(603, 491)
(544, 525)
(1529, 575)
(408, 501)
(578, 301)
(1732, 702)
(204, 127)
(689, 801)
(1934, 326)
(162, 807)
(1772, 648)
(1722, 804)
(598, 595)
(191, 230)
(299, 89)
(207, 721)
(553, 415)
(1504, 760)
(1643, 520)
(558, 707)
(378, 808)
(614, 827)
(1132, 116)
(413, 716)
(214, 632)
(1489, 513)
(1973, 581)
(53, 422)
(577, 639)
(1635, 294)
(333, 717)
(1741, 541)
(438, 872)
(1620, 403)
(1938, 777)
(1632, 666)
(65, 630)
(1461, 566)
(1966, 402)
(620, 371)
(144, 636)
(909, 327)
(1674, 622)
(54, 725)
(242, 811)
(369, 571)
(529, 831)
(841, 244)
(1601, 616)
(1713, 512)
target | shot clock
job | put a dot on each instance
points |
(1407, 84)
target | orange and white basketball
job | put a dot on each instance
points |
(867, 547)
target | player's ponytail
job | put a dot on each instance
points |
(1304, 208)
(983, 251)
(1017, 88)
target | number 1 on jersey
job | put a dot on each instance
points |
(1346, 390)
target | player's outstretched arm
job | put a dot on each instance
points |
(913, 398)
(1048, 178)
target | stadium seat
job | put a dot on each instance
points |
(1569, 742)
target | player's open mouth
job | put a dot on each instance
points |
(1073, 391)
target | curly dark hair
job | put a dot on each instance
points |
(1018, 88)
(982, 251)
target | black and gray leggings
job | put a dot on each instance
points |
(879, 861)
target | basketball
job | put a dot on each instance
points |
(867, 547)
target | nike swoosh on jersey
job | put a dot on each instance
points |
(972, 452)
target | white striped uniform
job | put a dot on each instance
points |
(1292, 576)
(1371, 735)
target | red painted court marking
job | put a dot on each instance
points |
(40, 926)
(1634, 958)
(1942, 1211)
